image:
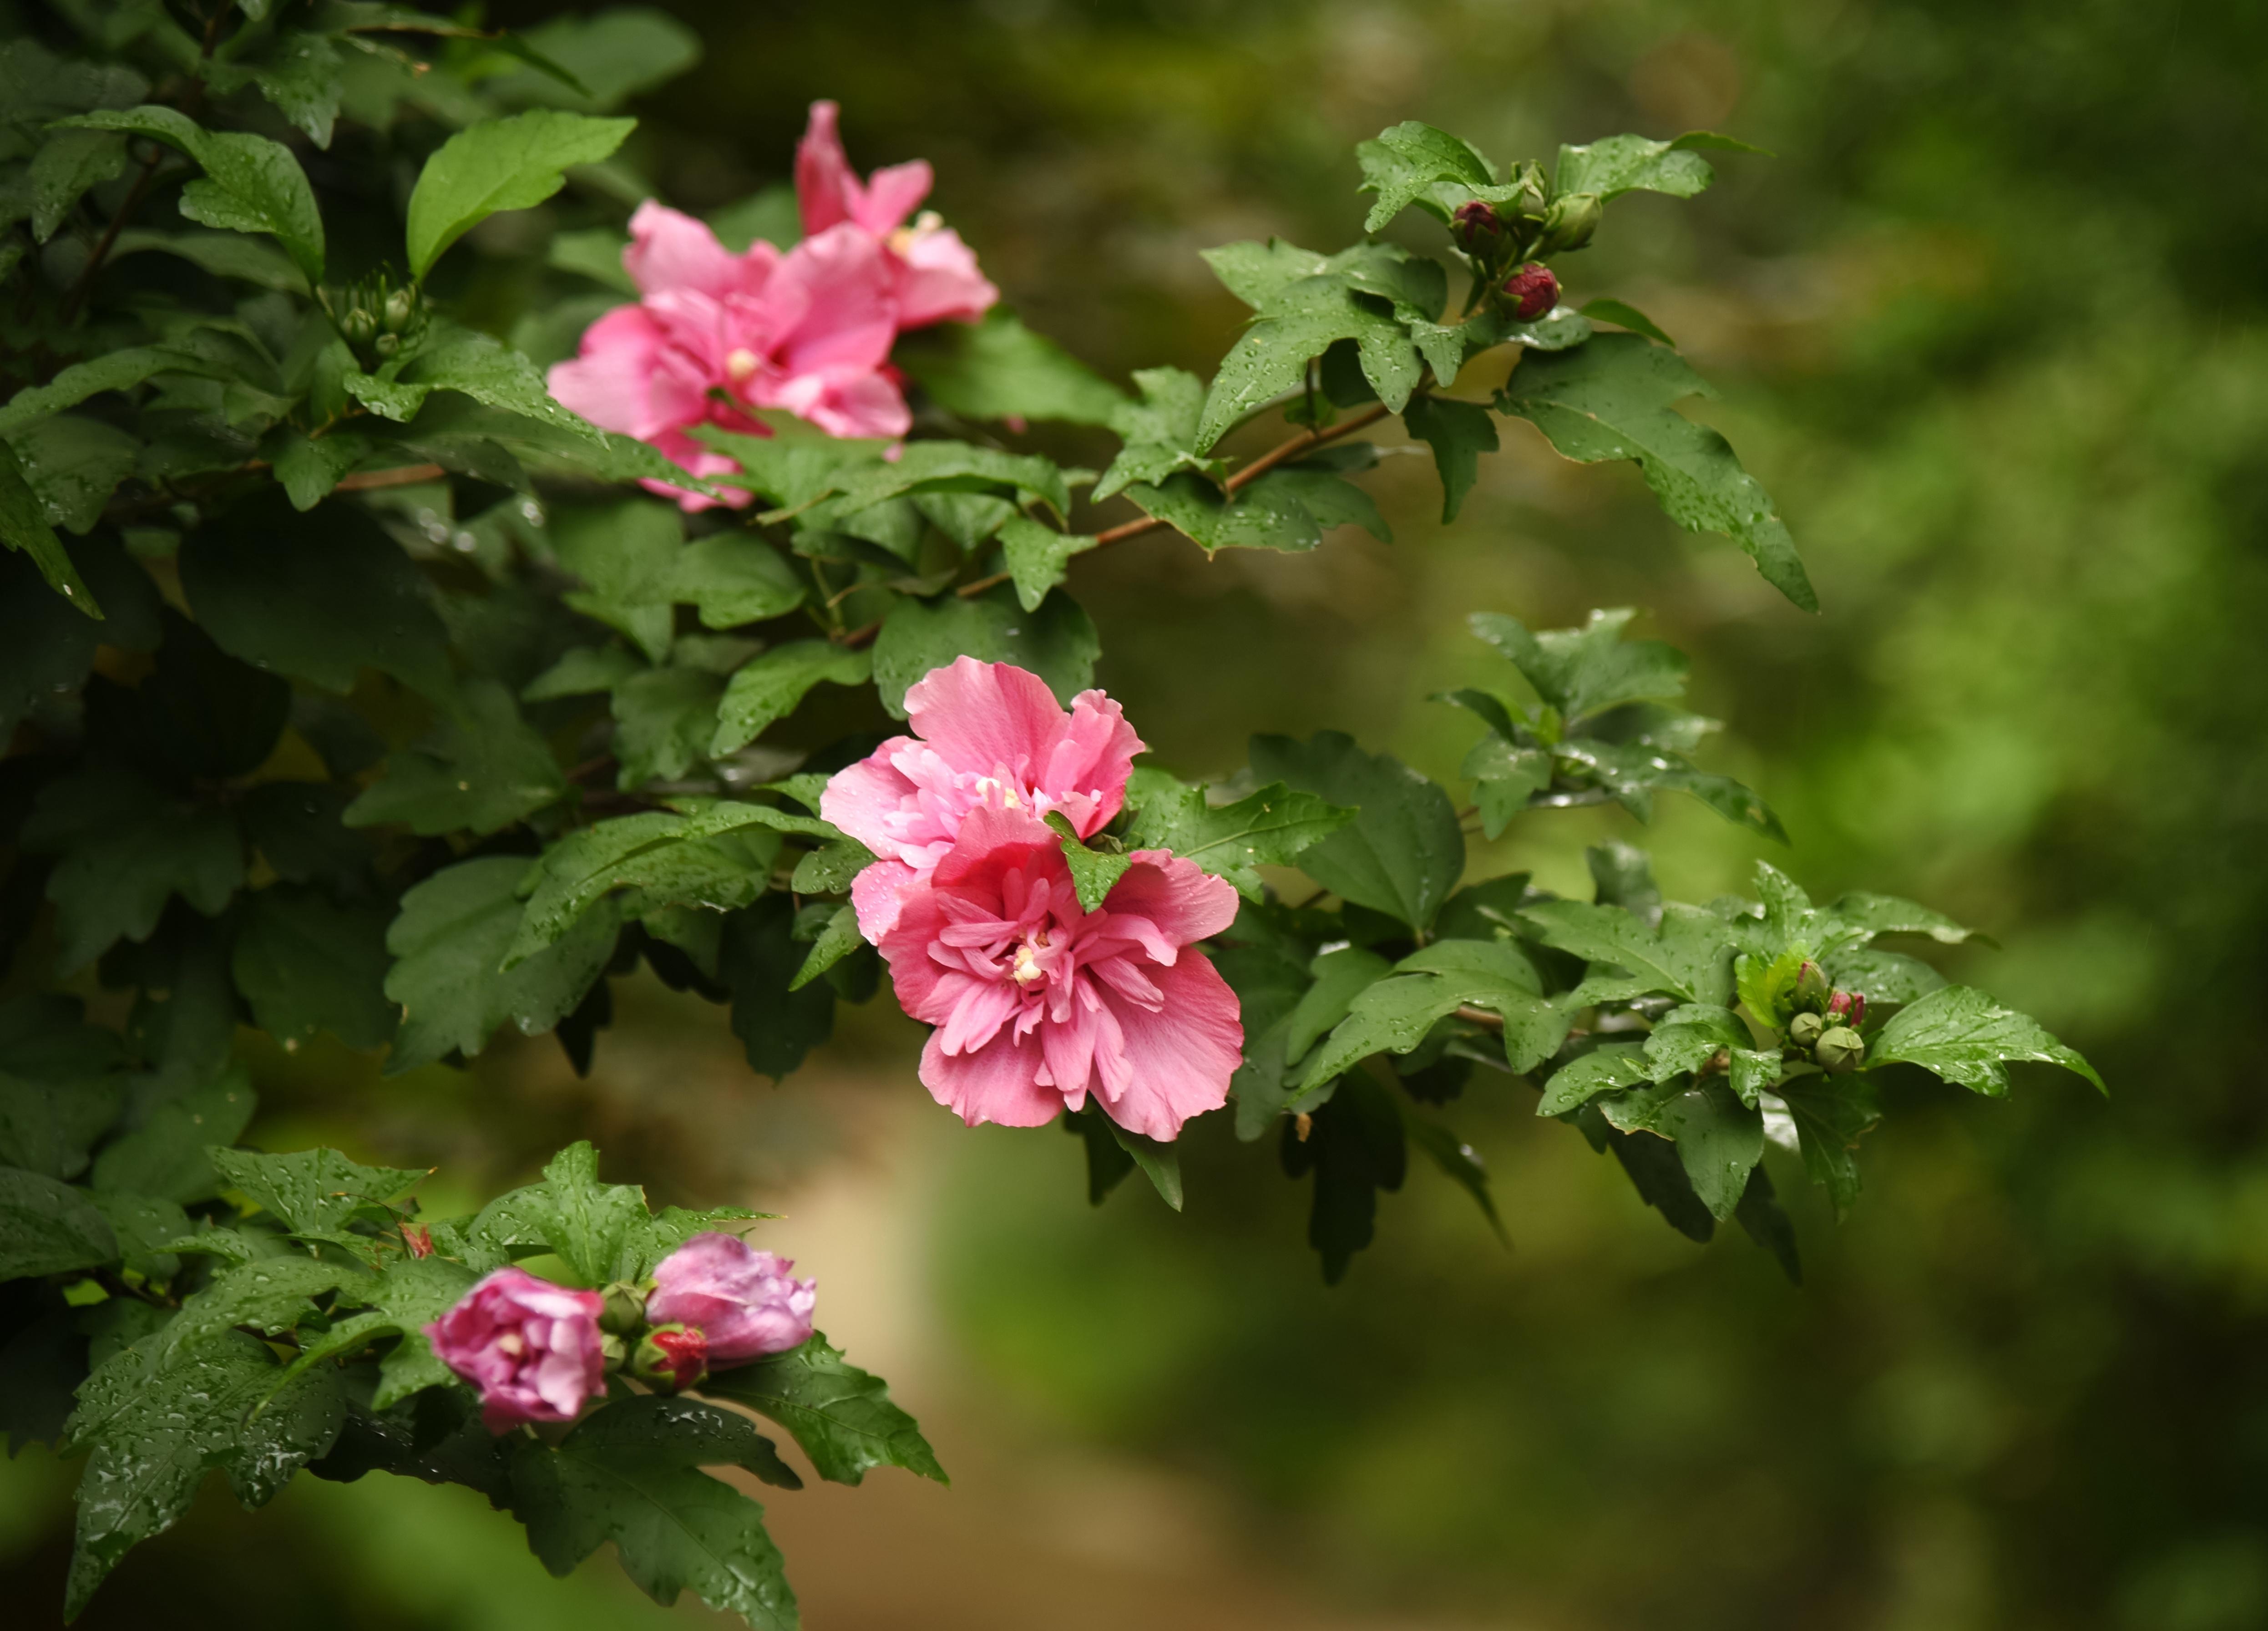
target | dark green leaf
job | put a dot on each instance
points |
(1458, 433)
(1037, 557)
(837, 940)
(1159, 432)
(480, 771)
(311, 1191)
(1160, 1164)
(768, 688)
(1267, 828)
(1602, 1070)
(47, 1227)
(450, 940)
(251, 184)
(1719, 1139)
(67, 165)
(1687, 957)
(1421, 156)
(731, 579)
(776, 1019)
(1355, 1146)
(1616, 165)
(1459, 1161)
(1299, 322)
(164, 1156)
(1586, 671)
(1623, 315)
(1093, 872)
(1611, 399)
(1057, 642)
(1830, 1114)
(1760, 1214)
(307, 963)
(124, 848)
(664, 722)
(1960, 1034)
(999, 369)
(718, 856)
(1402, 853)
(841, 1416)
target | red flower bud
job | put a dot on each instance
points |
(418, 1238)
(670, 1358)
(1857, 1009)
(1838, 1005)
(1532, 291)
(1474, 223)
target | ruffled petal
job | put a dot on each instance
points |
(1180, 1057)
(892, 194)
(878, 894)
(670, 250)
(998, 1084)
(985, 717)
(1087, 768)
(825, 190)
(1184, 902)
(938, 279)
(859, 798)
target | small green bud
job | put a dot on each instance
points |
(613, 1351)
(401, 307)
(386, 345)
(625, 1308)
(359, 327)
(1811, 987)
(1569, 220)
(1805, 1029)
(1840, 1051)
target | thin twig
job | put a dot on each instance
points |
(400, 475)
(1250, 473)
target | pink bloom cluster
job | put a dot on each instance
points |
(536, 1352)
(1037, 1003)
(807, 330)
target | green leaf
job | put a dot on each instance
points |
(1355, 1145)
(1160, 432)
(588, 1223)
(582, 671)
(1831, 1114)
(999, 369)
(47, 1227)
(841, 1416)
(1402, 853)
(271, 1295)
(311, 1192)
(307, 963)
(1426, 156)
(1395, 1015)
(1458, 433)
(1616, 1064)
(154, 1430)
(1299, 322)
(478, 772)
(60, 1087)
(1094, 873)
(1271, 827)
(124, 848)
(1623, 315)
(830, 870)
(504, 163)
(1886, 978)
(1611, 399)
(1037, 557)
(1687, 1037)
(627, 1474)
(24, 526)
(837, 940)
(300, 75)
(67, 165)
(1887, 914)
(777, 1019)
(250, 185)
(731, 579)
(666, 858)
(165, 1157)
(1339, 977)
(1584, 672)
(1616, 165)
(450, 942)
(73, 463)
(1287, 510)
(664, 722)
(1719, 1141)
(1057, 642)
(1687, 957)
(1962, 1034)
(1160, 1164)
(1760, 1214)
(769, 687)
(1459, 1161)
(114, 371)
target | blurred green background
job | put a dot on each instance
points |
(1991, 328)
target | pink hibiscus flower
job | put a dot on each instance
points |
(934, 275)
(985, 735)
(1038, 1003)
(808, 331)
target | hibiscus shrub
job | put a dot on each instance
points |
(380, 687)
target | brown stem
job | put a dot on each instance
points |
(401, 476)
(858, 638)
(1250, 473)
(1481, 1016)
(85, 282)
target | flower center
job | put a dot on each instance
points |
(511, 1343)
(740, 365)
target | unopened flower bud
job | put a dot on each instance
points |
(401, 307)
(1838, 1005)
(359, 326)
(1569, 220)
(419, 1239)
(1806, 1028)
(386, 345)
(1857, 1009)
(1476, 226)
(1811, 987)
(625, 1308)
(670, 1358)
(1531, 292)
(1839, 1050)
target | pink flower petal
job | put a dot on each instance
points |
(1184, 902)
(825, 187)
(937, 280)
(669, 250)
(998, 1084)
(1181, 1056)
(892, 194)
(986, 716)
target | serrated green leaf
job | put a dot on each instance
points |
(47, 1227)
(1623, 315)
(1299, 322)
(1402, 853)
(1458, 433)
(1616, 1065)
(828, 870)
(503, 163)
(837, 940)
(1395, 1015)
(778, 1018)
(480, 771)
(164, 1156)
(1036, 557)
(1687, 957)
(627, 1474)
(1720, 1140)
(664, 721)
(1831, 1114)
(1887, 914)
(311, 1191)
(1611, 399)
(1616, 165)
(450, 941)
(124, 848)
(1426, 156)
(251, 184)
(1057, 642)
(1584, 672)
(1271, 827)
(1093, 872)
(24, 527)
(1962, 1034)
(841, 1416)
(665, 857)
(768, 688)
(1160, 432)
(271, 1295)
(730, 578)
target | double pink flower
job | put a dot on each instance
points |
(807, 330)
(1037, 1003)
